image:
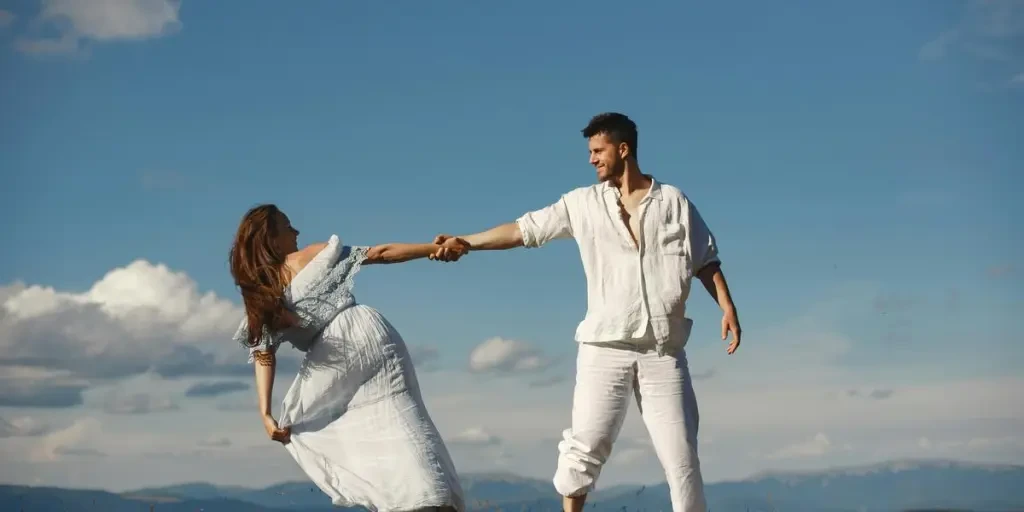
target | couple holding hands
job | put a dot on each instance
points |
(354, 418)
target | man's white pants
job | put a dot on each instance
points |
(606, 375)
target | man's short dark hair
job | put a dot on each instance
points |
(616, 126)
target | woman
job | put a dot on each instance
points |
(353, 419)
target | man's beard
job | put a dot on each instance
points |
(615, 170)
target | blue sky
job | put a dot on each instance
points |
(857, 163)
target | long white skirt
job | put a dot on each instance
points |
(360, 429)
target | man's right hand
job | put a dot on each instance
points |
(452, 248)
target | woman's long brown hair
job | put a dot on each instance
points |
(258, 269)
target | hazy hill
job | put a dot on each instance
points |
(889, 487)
(49, 499)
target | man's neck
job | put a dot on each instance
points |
(631, 180)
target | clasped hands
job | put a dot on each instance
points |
(452, 248)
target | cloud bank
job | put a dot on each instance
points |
(141, 318)
(95, 383)
(75, 23)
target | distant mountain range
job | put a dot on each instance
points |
(909, 485)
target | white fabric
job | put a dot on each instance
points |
(627, 289)
(633, 336)
(607, 375)
(360, 429)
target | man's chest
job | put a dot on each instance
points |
(617, 222)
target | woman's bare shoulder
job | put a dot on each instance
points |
(297, 260)
(313, 249)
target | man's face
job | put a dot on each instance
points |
(607, 157)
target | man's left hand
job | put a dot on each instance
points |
(731, 323)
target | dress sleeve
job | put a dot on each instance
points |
(267, 343)
(343, 274)
(316, 304)
(353, 256)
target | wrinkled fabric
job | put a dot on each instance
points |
(629, 287)
(321, 290)
(360, 430)
(607, 376)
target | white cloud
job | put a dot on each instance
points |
(22, 386)
(475, 436)
(988, 443)
(632, 450)
(501, 355)
(22, 427)
(101, 20)
(975, 445)
(990, 31)
(425, 357)
(138, 403)
(136, 319)
(68, 442)
(139, 296)
(816, 446)
(143, 294)
(779, 407)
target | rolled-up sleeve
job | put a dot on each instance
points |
(546, 224)
(704, 249)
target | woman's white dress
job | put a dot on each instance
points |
(360, 429)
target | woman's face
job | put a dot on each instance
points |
(287, 237)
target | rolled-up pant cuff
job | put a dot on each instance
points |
(579, 464)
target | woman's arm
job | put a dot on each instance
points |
(266, 366)
(504, 236)
(398, 253)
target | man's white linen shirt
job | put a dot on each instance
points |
(629, 288)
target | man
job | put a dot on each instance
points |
(641, 242)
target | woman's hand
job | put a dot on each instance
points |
(451, 248)
(281, 435)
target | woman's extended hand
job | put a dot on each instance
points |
(281, 435)
(452, 248)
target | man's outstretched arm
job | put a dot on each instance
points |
(533, 229)
(505, 236)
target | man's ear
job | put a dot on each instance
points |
(623, 150)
